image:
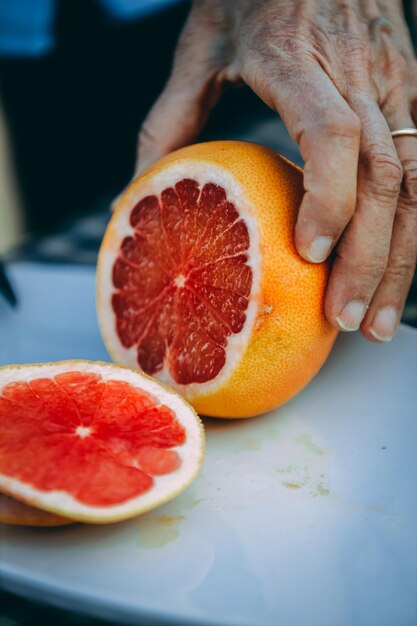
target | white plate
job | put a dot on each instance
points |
(306, 516)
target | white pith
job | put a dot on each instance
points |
(119, 228)
(83, 431)
(164, 487)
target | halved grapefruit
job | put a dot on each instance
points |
(14, 512)
(200, 285)
(94, 442)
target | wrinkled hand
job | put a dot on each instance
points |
(342, 74)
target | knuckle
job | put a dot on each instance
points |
(356, 50)
(362, 268)
(367, 273)
(384, 171)
(147, 135)
(372, 271)
(343, 124)
(399, 270)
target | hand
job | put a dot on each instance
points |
(342, 74)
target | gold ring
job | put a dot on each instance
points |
(405, 132)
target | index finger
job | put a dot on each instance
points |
(328, 134)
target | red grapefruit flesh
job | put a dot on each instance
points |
(182, 281)
(93, 442)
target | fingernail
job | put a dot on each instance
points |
(351, 315)
(385, 324)
(319, 249)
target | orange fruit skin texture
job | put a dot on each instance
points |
(290, 343)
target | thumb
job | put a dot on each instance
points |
(192, 90)
(175, 120)
(178, 115)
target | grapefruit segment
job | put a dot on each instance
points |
(230, 274)
(93, 442)
(158, 461)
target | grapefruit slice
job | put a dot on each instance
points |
(94, 442)
(199, 283)
(14, 512)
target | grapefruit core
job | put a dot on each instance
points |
(199, 283)
(94, 442)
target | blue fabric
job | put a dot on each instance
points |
(130, 9)
(27, 26)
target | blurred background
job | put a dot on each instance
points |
(77, 78)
